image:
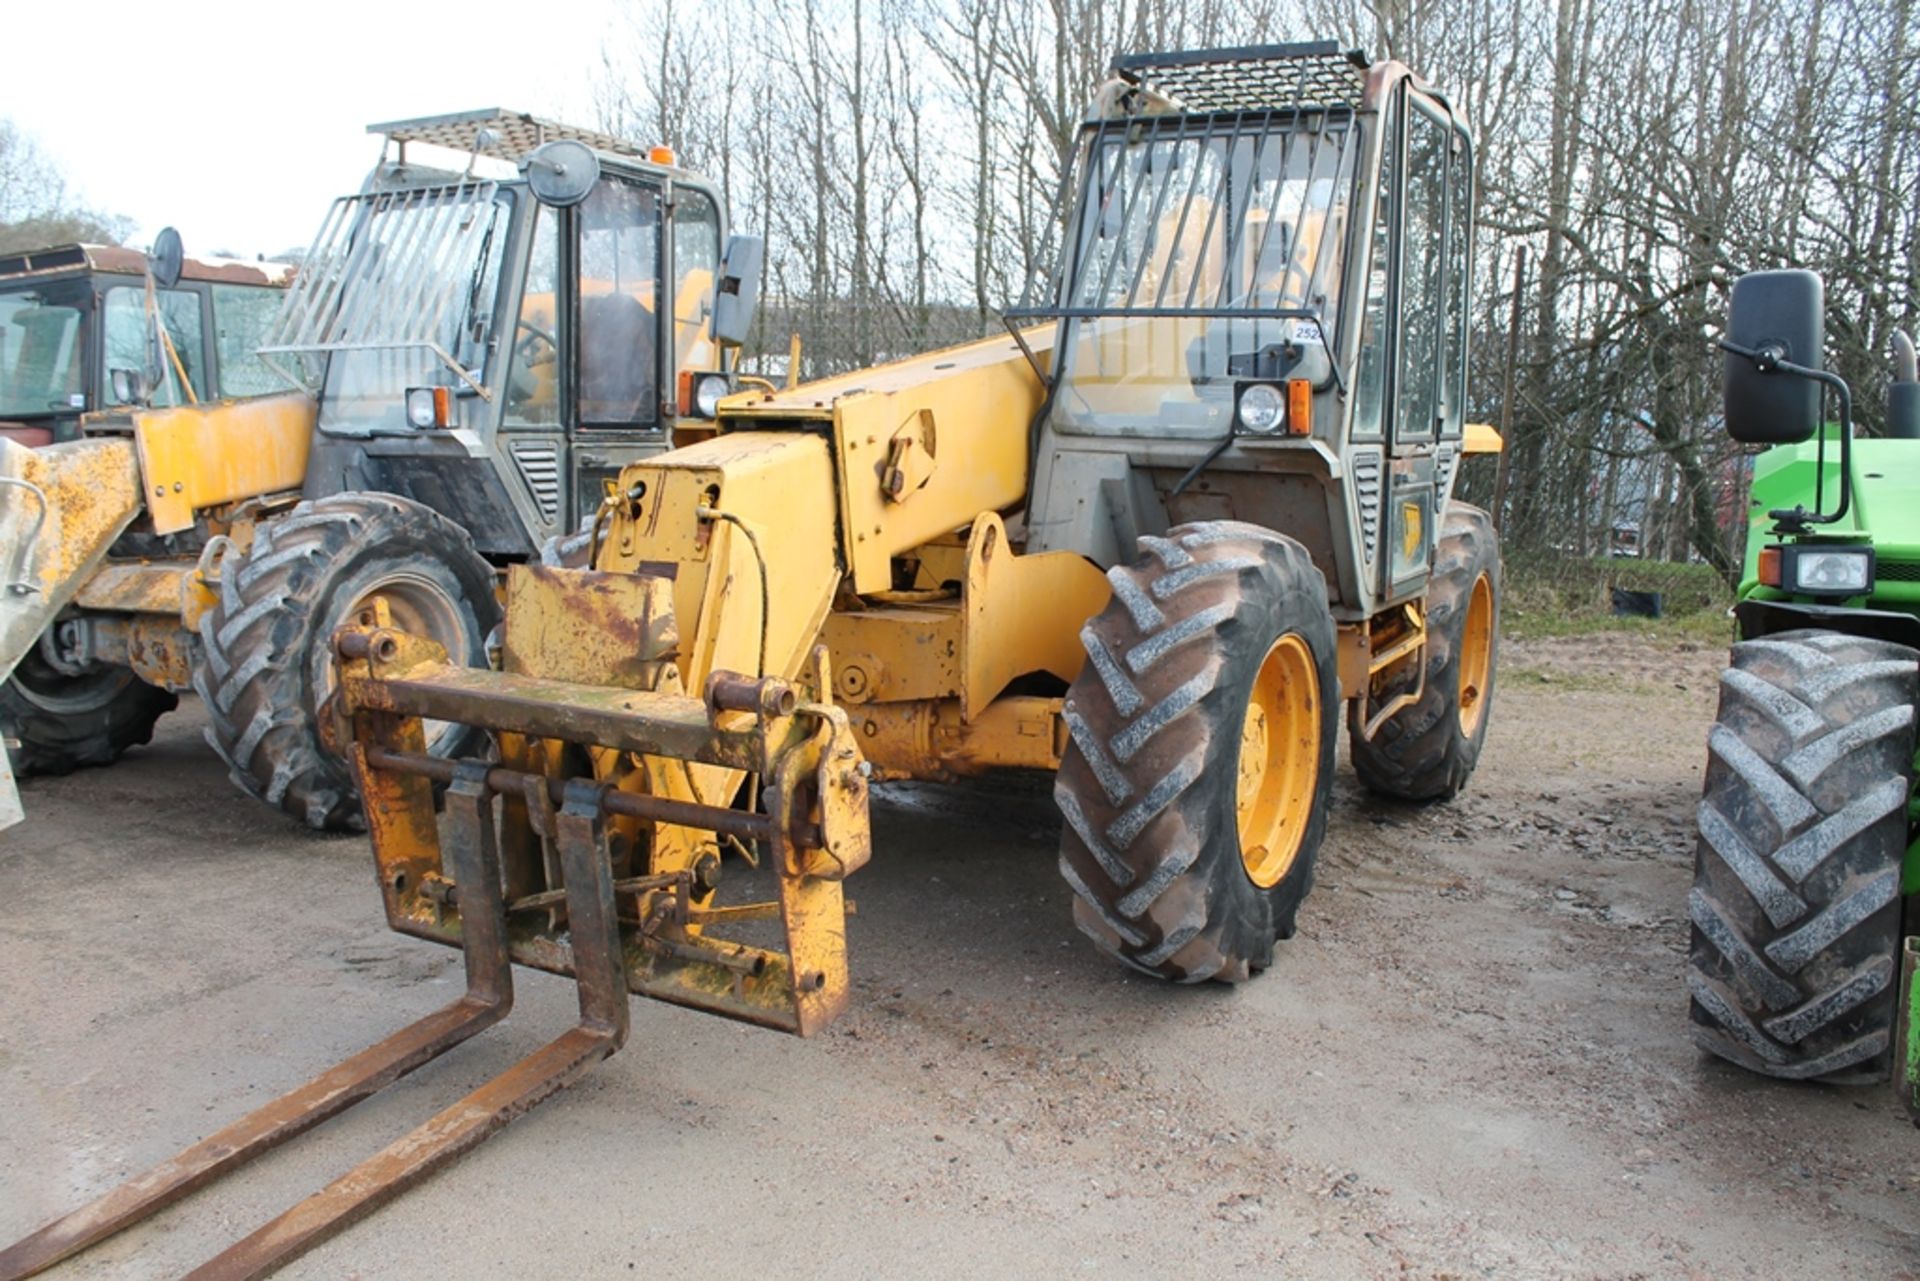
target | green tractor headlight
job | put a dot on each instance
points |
(1826, 571)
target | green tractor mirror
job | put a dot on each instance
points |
(1776, 327)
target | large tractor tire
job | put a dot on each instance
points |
(1803, 828)
(266, 665)
(1195, 785)
(1427, 750)
(62, 722)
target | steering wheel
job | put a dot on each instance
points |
(523, 346)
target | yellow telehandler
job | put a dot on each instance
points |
(482, 363)
(1152, 542)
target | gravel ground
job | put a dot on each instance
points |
(1473, 1061)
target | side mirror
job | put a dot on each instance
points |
(129, 386)
(737, 293)
(560, 173)
(168, 258)
(1775, 316)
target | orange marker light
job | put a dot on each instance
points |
(1770, 567)
(661, 154)
(1299, 407)
(442, 406)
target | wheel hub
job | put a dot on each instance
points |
(1279, 765)
(1476, 656)
(417, 605)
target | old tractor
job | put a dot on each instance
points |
(73, 324)
(1152, 543)
(1807, 856)
(480, 365)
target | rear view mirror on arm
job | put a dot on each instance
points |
(737, 293)
(1777, 322)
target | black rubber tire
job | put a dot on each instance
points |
(1151, 844)
(64, 722)
(277, 612)
(1422, 753)
(1796, 905)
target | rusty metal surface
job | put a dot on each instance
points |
(668, 725)
(589, 627)
(78, 259)
(89, 493)
(554, 738)
(655, 809)
(136, 587)
(62, 508)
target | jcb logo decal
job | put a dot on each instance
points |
(1410, 531)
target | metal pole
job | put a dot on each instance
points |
(1504, 466)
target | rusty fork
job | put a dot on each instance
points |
(475, 857)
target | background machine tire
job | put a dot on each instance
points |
(1796, 905)
(1427, 750)
(266, 669)
(63, 722)
(1207, 707)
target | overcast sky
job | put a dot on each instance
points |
(240, 122)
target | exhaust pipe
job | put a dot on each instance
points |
(1903, 393)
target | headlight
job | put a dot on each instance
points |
(1262, 409)
(707, 392)
(701, 391)
(429, 407)
(1830, 572)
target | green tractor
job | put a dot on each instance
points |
(1807, 862)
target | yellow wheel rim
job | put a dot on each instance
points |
(1279, 761)
(1476, 657)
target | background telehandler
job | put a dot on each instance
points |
(73, 315)
(1807, 856)
(480, 365)
(1154, 545)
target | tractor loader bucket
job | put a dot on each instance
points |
(61, 507)
(557, 857)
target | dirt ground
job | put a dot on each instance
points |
(1473, 1061)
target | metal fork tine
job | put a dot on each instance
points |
(600, 969)
(488, 998)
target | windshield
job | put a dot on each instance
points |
(1197, 248)
(399, 291)
(43, 349)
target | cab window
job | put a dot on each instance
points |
(619, 297)
(242, 315)
(696, 261)
(533, 382)
(1370, 382)
(43, 341)
(125, 330)
(1423, 315)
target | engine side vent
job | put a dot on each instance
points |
(1443, 467)
(1366, 499)
(540, 467)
